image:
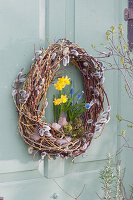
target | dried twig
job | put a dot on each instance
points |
(75, 198)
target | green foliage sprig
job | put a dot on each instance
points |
(111, 177)
(107, 177)
(118, 49)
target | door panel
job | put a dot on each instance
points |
(19, 32)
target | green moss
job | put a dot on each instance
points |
(67, 129)
(76, 129)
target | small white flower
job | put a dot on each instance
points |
(92, 102)
(96, 92)
(97, 124)
(30, 150)
(74, 52)
(104, 113)
(70, 154)
(66, 61)
(21, 80)
(25, 96)
(46, 104)
(56, 126)
(103, 120)
(97, 74)
(91, 75)
(46, 128)
(41, 132)
(22, 92)
(43, 80)
(14, 92)
(33, 59)
(108, 120)
(89, 135)
(97, 102)
(48, 134)
(66, 148)
(53, 56)
(38, 52)
(68, 139)
(89, 121)
(84, 146)
(84, 71)
(108, 109)
(84, 140)
(85, 64)
(40, 57)
(66, 50)
(21, 100)
(62, 156)
(102, 80)
(98, 129)
(104, 53)
(63, 141)
(43, 154)
(19, 74)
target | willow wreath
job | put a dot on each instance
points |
(68, 136)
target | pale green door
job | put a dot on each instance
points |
(24, 23)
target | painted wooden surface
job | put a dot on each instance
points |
(23, 24)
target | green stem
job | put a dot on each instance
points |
(54, 109)
(69, 102)
(78, 113)
(77, 105)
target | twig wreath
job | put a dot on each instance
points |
(75, 122)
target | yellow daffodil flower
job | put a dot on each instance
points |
(62, 82)
(67, 80)
(59, 86)
(57, 101)
(64, 98)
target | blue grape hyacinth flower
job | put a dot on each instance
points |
(79, 96)
(72, 91)
(87, 106)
